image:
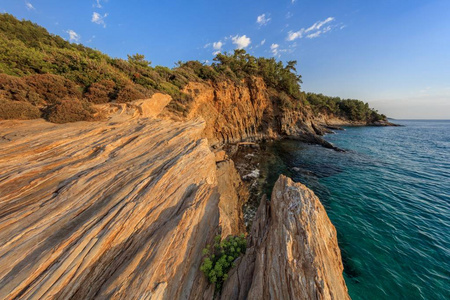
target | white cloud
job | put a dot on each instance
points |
(241, 42)
(313, 31)
(99, 19)
(277, 51)
(263, 42)
(425, 90)
(318, 25)
(29, 6)
(262, 20)
(295, 35)
(73, 36)
(314, 35)
(98, 3)
(326, 29)
(274, 48)
(217, 45)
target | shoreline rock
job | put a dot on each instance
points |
(293, 251)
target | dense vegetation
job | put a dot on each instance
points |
(354, 110)
(46, 76)
(219, 258)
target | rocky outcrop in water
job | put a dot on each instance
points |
(293, 252)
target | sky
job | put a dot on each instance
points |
(394, 54)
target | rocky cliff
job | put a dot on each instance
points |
(249, 111)
(122, 208)
(293, 251)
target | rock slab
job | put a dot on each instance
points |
(293, 251)
(105, 210)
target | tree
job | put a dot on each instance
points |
(139, 59)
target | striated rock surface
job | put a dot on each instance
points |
(293, 251)
(233, 194)
(105, 210)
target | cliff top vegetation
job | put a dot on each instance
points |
(46, 75)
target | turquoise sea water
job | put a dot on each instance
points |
(389, 198)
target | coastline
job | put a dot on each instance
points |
(162, 177)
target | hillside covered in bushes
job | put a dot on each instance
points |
(43, 75)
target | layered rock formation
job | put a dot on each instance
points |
(293, 252)
(107, 209)
(122, 208)
(247, 111)
(250, 111)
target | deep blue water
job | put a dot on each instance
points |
(389, 198)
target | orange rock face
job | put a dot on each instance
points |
(293, 253)
(236, 112)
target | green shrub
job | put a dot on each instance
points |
(168, 88)
(18, 110)
(13, 88)
(101, 92)
(200, 70)
(69, 110)
(131, 92)
(285, 101)
(51, 88)
(138, 59)
(275, 74)
(351, 109)
(219, 259)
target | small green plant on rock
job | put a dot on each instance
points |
(219, 259)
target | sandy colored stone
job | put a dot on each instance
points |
(293, 251)
(233, 194)
(105, 210)
(221, 156)
(151, 108)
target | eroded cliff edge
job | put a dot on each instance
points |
(122, 208)
(251, 111)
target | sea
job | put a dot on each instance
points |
(388, 195)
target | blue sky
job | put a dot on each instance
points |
(393, 54)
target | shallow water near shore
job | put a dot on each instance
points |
(389, 198)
